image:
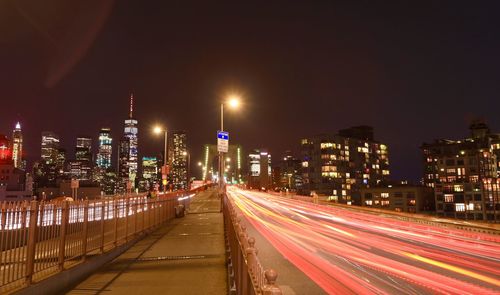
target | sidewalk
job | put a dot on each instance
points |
(186, 256)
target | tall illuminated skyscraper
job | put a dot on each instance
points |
(130, 135)
(180, 159)
(105, 149)
(17, 147)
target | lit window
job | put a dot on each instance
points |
(460, 207)
(369, 202)
(448, 198)
(384, 195)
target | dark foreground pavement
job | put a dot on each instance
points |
(185, 256)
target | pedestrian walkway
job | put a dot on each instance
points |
(185, 256)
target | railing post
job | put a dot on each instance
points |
(62, 236)
(103, 209)
(85, 228)
(270, 287)
(127, 209)
(32, 232)
(135, 216)
(115, 221)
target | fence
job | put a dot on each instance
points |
(247, 276)
(40, 239)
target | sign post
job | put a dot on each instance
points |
(222, 147)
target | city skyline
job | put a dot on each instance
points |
(412, 80)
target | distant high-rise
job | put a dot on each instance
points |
(180, 159)
(123, 156)
(50, 147)
(150, 169)
(82, 167)
(105, 149)
(17, 147)
(259, 169)
(130, 133)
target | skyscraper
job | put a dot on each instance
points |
(105, 149)
(82, 167)
(130, 133)
(180, 159)
(50, 147)
(123, 156)
(150, 169)
(259, 169)
(17, 147)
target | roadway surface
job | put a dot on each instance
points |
(342, 251)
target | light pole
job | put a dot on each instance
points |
(233, 102)
(164, 170)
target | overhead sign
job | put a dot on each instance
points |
(222, 141)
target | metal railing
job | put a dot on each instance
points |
(41, 238)
(246, 274)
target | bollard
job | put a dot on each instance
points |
(270, 287)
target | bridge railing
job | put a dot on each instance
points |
(41, 238)
(246, 274)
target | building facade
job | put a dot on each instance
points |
(287, 173)
(340, 165)
(105, 150)
(179, 159)
(17, 147)
(131, 133)
(399, 198)
(81, 168)
(465, 174)
(259, 170)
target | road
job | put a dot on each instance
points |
(348, 252)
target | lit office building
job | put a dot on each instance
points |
(81, 168)
(130, 132)
(150, 169)
(259, 169)
(179, 157)
(50, 147)
(105, 150)
(233, 167)
(465, 174)
(287, 173)
(399, 197)
(123, 156)
(17, 147)
(339, 165)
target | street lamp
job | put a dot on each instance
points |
(233, 102)
(158, 130)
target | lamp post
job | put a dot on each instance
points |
(164, 170)
(233, 102)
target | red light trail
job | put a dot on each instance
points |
(350, 252)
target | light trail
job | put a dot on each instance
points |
(350, 252)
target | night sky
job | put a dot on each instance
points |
(415, 72)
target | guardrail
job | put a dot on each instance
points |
(41, 238)
(246, 274)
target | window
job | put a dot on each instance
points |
(450, 162)
(458, 188)
(398, 194)
(384, 203)
(384, 195)
(448, 198)
(412, 202)
(460, 207)
(368, 202)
